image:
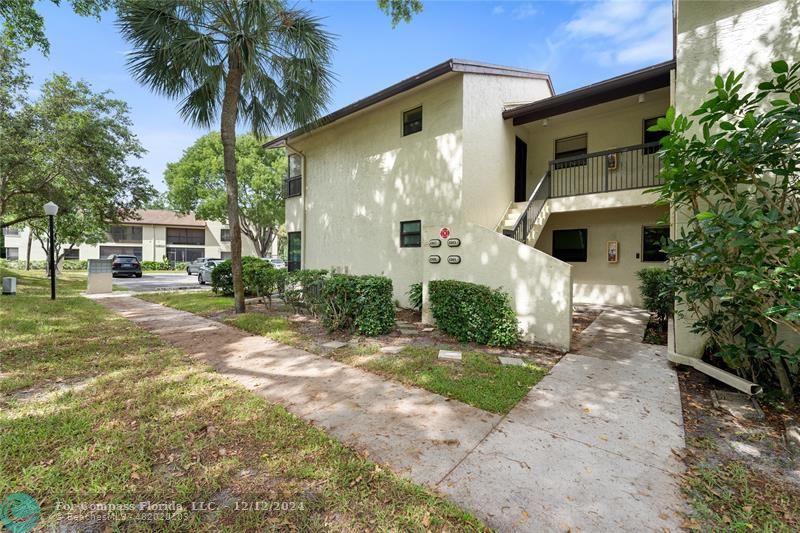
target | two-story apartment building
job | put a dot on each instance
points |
(154, 235)
(482, 173)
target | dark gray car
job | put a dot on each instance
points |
(125, 265)
(204, 276)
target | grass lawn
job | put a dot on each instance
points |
(198, 302)
(479, 380)
(95, 410)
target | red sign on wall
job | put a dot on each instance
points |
(444, 233)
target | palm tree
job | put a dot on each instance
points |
(255, 62)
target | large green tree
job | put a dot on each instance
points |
(23, 25)
(255, 62)
(71, 145)
(197, 183)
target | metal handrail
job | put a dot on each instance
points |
(532, 209)
(630, 148)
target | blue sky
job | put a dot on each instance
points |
(577, 42)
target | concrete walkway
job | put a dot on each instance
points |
(589, 448)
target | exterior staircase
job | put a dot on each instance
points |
(524, 221)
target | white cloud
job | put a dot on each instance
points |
(498, 10)
(623, 31)
(524, 11)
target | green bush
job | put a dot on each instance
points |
(260, 278)
(302, 290)
(656, 288)
(474, 313)
(222, 276)
(415, 296)
(360, 303)
(75, 264)
(163, 265)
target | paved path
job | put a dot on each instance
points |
(153, 281)
(589, 448)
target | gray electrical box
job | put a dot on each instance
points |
(9, 285)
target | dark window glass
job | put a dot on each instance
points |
(570, 147)
(74, 254)
(295, 242)
(125, 234)
(412, 121)
(106, 251)
(410, 234)
(652, 136)
(183, 255)
(12, 254)
(225, 235)
(186, 236)
(294, 177)
(652, 239)
(570, 245)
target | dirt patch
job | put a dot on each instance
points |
(736, 467)
(656, 332)
(48, 391)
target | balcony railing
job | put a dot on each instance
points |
(632, 167)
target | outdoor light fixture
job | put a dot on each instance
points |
(51, 210)
(642, 98)
(544, 123)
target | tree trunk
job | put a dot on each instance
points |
(784, 380)
(230, 102)
(28, 252)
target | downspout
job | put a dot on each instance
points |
(748, 387)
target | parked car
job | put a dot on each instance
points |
(128, 265)
(204, 276)
(195, 266)
(276, 262)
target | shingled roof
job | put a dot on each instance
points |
(164, 217)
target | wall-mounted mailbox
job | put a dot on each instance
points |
(453, 243)
(454, 259)
(434, 243)
(434, 259)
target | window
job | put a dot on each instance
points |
(225, 235)
(294, 177)
(652, 136)
(125, 234)
(412, 121)
(12, 254)
(571, 147)
(105, 251)
(295, 242)
(186, 236)
(410, 234)
(570, 245)
(73, 254)
(652, 237)
(11, 231)
(184, 255)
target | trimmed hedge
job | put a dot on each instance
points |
(473, 313)
(658, 296)
(360, 303)
(163, 265)
(302, 290)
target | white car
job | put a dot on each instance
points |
(204, 275)
(276, 262)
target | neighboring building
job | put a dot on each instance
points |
(546, 193)
(155, 235)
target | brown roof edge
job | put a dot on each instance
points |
(451, 65)
(164, 217)
(638, 81)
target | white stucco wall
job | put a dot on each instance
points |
(597, 280)
(715, 38)
(489, 146)
(539, 285)
(362, 178)
(614, 124)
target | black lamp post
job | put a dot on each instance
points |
(51, 210)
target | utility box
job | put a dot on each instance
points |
(9, 285)
(99, 278)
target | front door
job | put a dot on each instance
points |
(520, 171)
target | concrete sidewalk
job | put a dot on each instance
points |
(589, 448)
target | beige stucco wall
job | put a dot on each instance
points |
(539, 284)
(715, 38)
(614, 124)
(362, 178)
(597, 280)
(489, 146)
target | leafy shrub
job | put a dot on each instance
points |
(260, 278)
(20, 265)
(360, 303)
(302, 290)
(163, 265)
(474, 313)
(74, 264)
(415, 296)
(656, 288)
(222, 276)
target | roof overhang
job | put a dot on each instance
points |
(639, 81)
(451, 65)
